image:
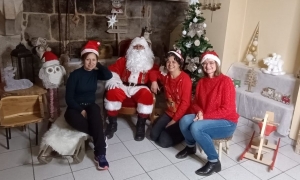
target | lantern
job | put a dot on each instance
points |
(22, 59)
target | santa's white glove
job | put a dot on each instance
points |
(113, 86)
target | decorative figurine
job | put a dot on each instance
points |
(286, 99)
(274, 64)
(52, 74)
(13, 84)
(251, 79)
(116, 6)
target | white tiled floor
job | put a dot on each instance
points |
(143, 160)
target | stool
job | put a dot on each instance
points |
(220, 144)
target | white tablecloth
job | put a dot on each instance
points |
(253, 104)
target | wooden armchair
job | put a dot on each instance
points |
(18, 111)
(123, 46)
(129, 107)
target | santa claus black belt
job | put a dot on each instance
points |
(132, 84)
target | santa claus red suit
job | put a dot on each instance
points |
(130, 77)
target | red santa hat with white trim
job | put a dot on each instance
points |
(210, 55)
(50, 59)
(91, 46)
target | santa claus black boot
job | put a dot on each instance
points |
(111, 128)
(140, 129)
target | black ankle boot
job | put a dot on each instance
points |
(140, 129)
(111, 128)
(185, 152)
(209, 168)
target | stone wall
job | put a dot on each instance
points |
(40, 19)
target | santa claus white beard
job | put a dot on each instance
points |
(139, 60)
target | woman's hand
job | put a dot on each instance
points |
(83, 113)
(199, 116)
(170, 123)
(154, 87)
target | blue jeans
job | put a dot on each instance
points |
(204, 131)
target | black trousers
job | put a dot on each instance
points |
(166, 137)
(91, 125)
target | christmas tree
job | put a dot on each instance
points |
(193, 42)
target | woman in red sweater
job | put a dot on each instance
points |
(212, 115)
(177, 87)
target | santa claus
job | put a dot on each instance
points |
(130, 76)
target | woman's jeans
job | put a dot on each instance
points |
(204, 131)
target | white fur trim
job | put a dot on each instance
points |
(112, 105)
(213, 57)
(89, 50)
(134, 77)
(139, 40)
(50, 63)
(177, 54)
(163, 70)
(114, 80)
(144, 109)
(132, 90)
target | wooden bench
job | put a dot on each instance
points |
(18, 111)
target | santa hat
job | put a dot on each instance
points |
(177, 53)
(139, 40)
(210, 55)
(50, 59)
(91, 46)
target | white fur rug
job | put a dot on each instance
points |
(61, 137)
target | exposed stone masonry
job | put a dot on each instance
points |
(40, 19)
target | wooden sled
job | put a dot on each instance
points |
(47, 153)
(267, 126)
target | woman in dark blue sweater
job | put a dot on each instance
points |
(83, 114)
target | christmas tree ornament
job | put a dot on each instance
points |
(252, 51)
(255, 43)
(204, 25)
(198, 12)
(191, 67)
(253, 48)
(206, 39)
(192, 60)
(200, 71)
(195, 20)
(196, 28)
(184, 32)
(197, 42)
(188, 44)
(249, 57)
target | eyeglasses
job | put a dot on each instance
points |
(211, 63)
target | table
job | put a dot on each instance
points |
(253, 104)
